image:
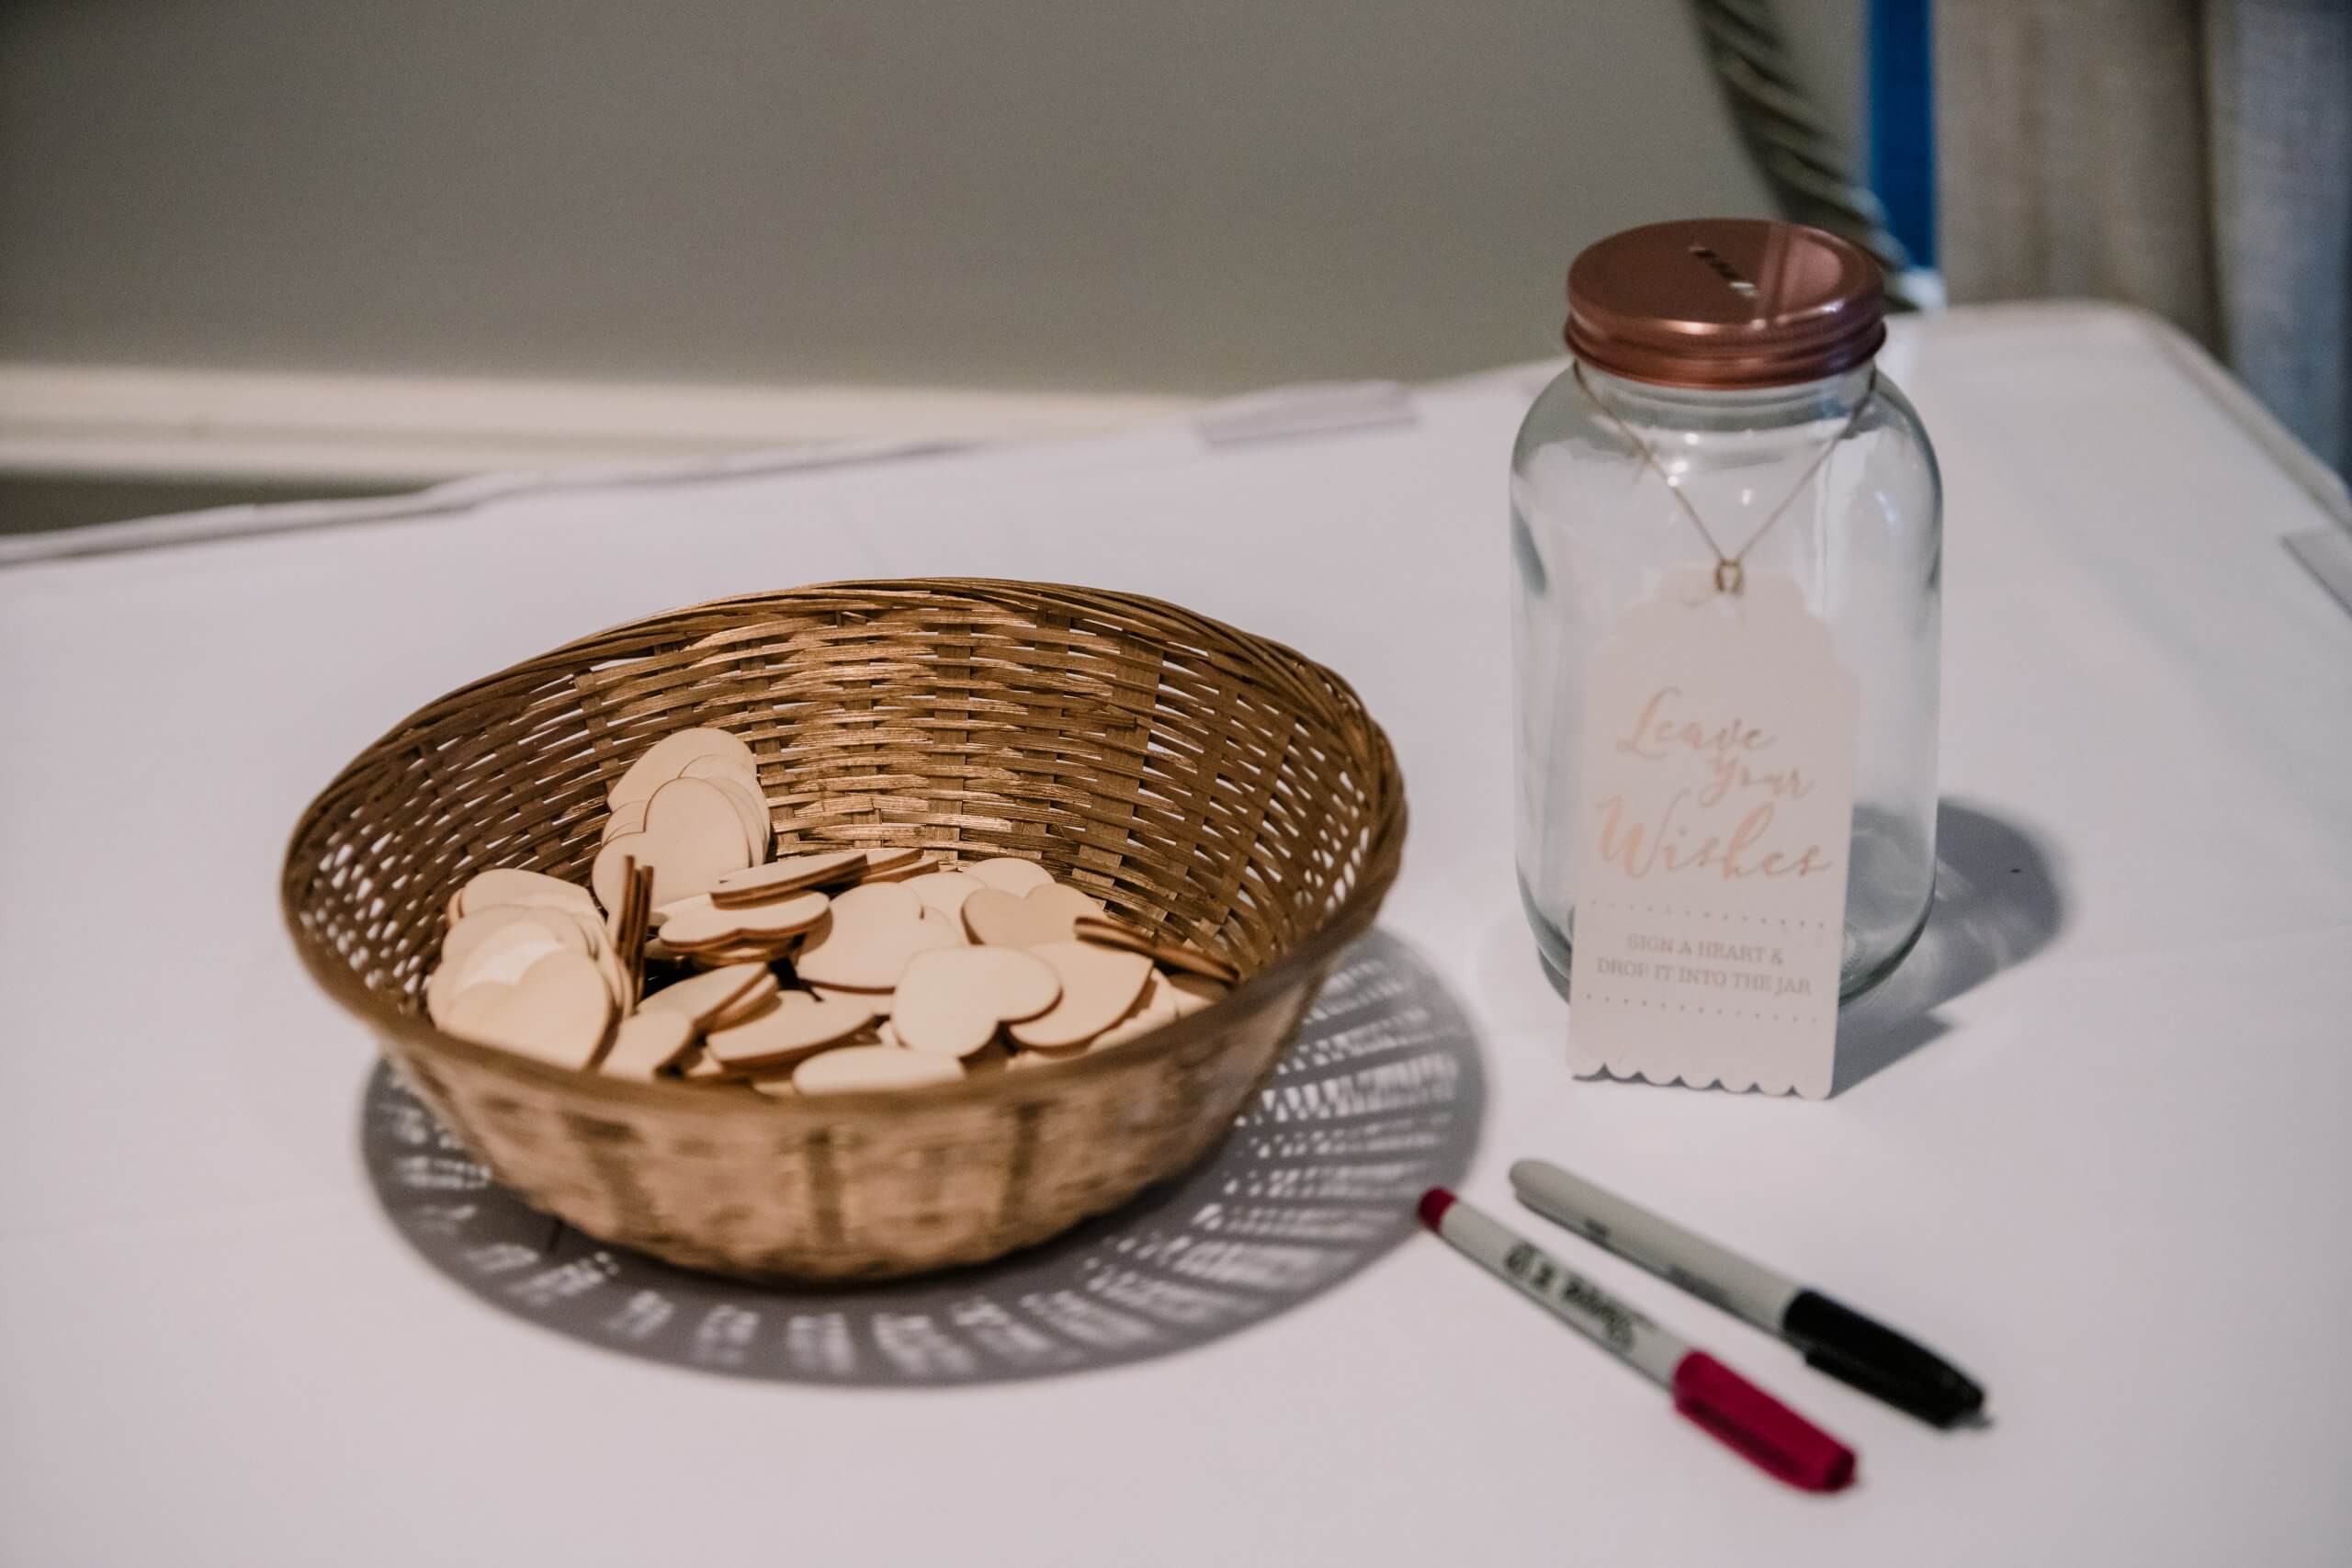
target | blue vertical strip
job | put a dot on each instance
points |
(1903, 122)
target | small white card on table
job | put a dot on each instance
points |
(1712, 838)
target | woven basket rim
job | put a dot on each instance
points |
(1382, 861)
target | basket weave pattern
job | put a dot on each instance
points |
(1201, 782)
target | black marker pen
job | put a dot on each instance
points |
(1836, 1339)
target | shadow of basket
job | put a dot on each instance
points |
(1380, 1097)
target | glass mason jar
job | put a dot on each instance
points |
(1741, 354)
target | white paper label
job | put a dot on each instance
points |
(1713, 830)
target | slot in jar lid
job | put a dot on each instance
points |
(1725, 303)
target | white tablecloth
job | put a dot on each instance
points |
(2105, 1168)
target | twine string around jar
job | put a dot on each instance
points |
(1731, 574)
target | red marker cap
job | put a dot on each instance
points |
(1434, 1203)
(1768, 1433)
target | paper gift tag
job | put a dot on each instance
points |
(1711, 839)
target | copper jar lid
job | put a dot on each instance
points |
(1724, 302)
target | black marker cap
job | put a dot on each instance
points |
(1880, 1363)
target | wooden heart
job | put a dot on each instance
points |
(646, 1043)
(1165, 999)
(512, 888)
(943, 891)
(797, 1026)
(667, 758)
(556, 1012)
(1100, 986)
(1009, 874)
(610, 965)
(854, 1068)
(1030, 1060)
(1155, 1007)
(781, 878)
(710, 994)
(751, 811)
(457, 946)
(1051, 913)
(706, 1068)
(692, 838)
(760, 1000)
(868, 936)
(500, 958)
(951, 1002)
(733, 953)
(716, 766)
(1172, 954)
(880, 1002)
(891, 864)
(504, 955)
(697, 922)
(1191, 993)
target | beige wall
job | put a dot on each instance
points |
(1013, 193)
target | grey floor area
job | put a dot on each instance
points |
(36, 503)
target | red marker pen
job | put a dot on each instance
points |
(1770, 1435)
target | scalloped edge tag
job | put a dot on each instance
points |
(1713, 829)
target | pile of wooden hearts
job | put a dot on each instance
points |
(691, 808)
(762, 913)
(529, 964)
(907, 972)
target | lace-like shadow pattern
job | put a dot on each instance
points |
(1380, 1097)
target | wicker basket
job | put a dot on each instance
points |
(1199, 781)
